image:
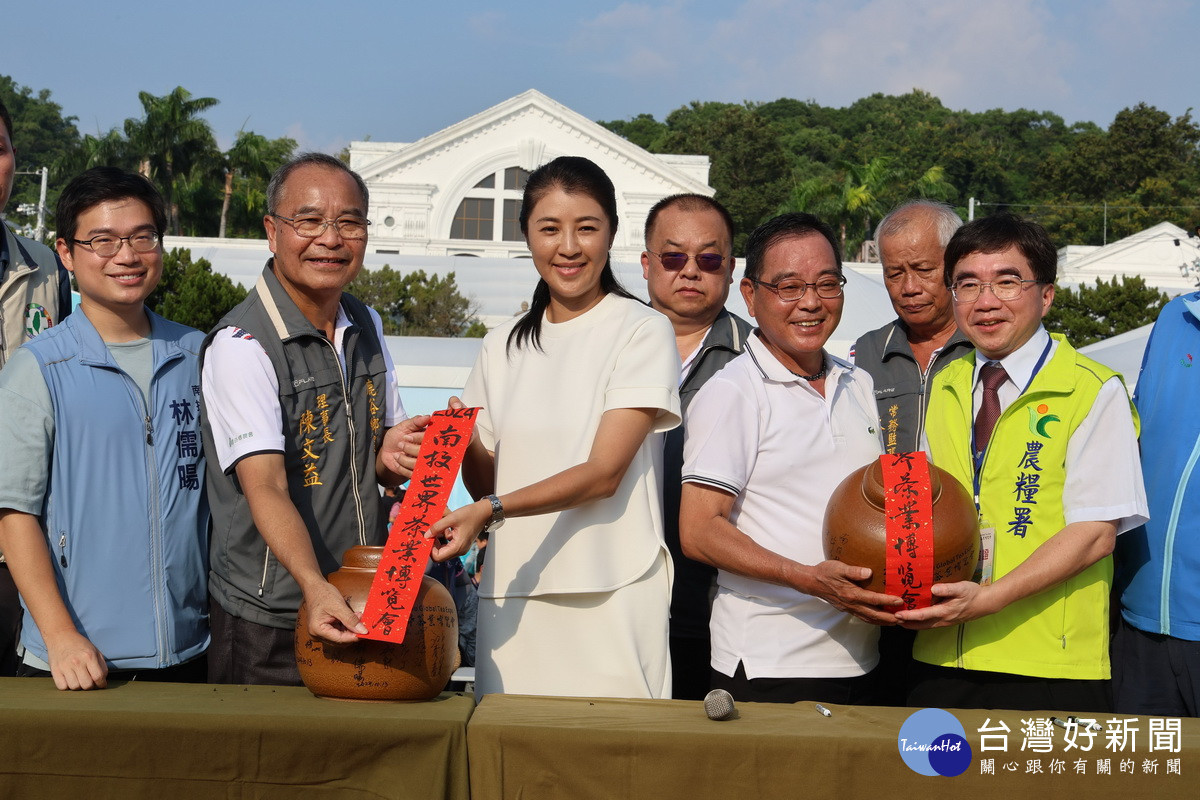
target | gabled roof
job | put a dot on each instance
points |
(530, 102)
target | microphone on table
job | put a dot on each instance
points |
(718, 705)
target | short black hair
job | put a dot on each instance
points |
(6, 118)
(785, 225)
(688, 202)
(1000, 231)
(98, 185)
(275, 186)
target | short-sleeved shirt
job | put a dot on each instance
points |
(1103, 469)
(241, 390)
(27, 421)
(762, 434)
(541, 410)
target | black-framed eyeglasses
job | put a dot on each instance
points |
(789, 291)
(968, 290)
(705, 262)
(106, 245)
(310, 227)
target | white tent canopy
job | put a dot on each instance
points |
(498, 287)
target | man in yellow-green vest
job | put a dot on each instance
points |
(1047, 440)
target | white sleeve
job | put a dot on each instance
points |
(241, 398)
(721, 437)
(1104, 469)
(646, 373)
(394, 411)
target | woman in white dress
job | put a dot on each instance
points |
(574, 598)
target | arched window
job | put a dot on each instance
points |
(491, 208)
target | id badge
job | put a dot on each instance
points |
(987, 553)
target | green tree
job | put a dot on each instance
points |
(858, 196)
(643, 130)
(191, 293)
(1093, 313)
(750, 168)
(103, 150)
(42, 136)
(172, 142)
(417, 304)
(250, 162)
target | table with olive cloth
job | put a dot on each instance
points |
(542, 747)
(163, 740)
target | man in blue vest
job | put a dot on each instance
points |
(1156, 650)
(302, 424)
(1047, 439)
(102, 510)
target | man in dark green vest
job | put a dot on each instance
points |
(302, 424)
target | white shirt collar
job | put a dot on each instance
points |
(772, 369)
(1020, 363)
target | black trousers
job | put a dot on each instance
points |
(858, 690)
(10, 623)
(194, 671)
(1155, 674)
(246, 652)
(949, 687)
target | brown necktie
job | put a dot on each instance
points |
(991, 375)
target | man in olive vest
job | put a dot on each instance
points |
(35, 293)
(1047, 439)
(302, 424)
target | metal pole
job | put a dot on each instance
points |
(40, 230)
(971, 209)
(1105, 222)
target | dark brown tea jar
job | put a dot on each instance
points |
(416, 669)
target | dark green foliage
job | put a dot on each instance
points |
(1085, 183)
(417, 304)
(42, 136)
(1092, 313)
(191, 293)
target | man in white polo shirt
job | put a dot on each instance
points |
(768, 439)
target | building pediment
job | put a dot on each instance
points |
(453, 192)
(535, 128)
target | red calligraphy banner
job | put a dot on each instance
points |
(908, 526)
(406, 553)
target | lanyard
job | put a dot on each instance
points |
(976, 456)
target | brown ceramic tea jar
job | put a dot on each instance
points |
(855, 525)
(417, 669)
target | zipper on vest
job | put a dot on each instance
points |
(62, 549)
(358, 508)
(149, 431)
(959, 646)
(263, 581)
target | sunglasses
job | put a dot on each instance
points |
(705, 262)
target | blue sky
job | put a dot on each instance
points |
(326, 73)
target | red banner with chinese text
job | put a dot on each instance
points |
(406, 553)
(908, 523)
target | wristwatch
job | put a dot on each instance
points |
(497, 513)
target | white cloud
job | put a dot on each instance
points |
(972, 55)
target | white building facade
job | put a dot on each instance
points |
(457, 192)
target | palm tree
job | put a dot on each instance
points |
(252, 159)
(860, 194)
(103, 150)
(172, 142)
